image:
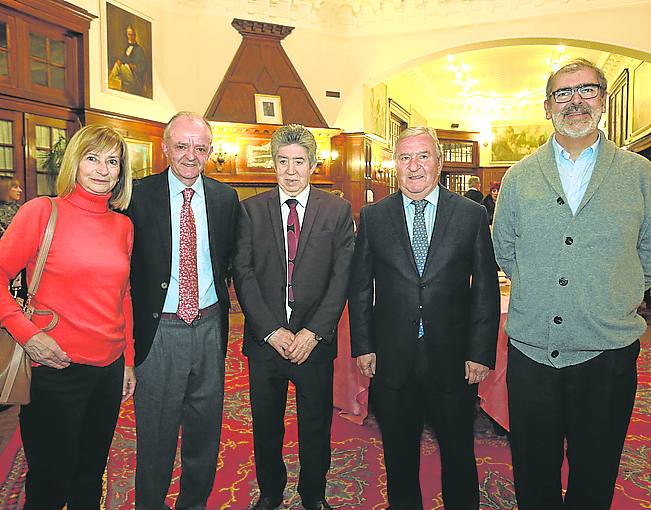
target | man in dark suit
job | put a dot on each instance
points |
(184, 235)
(474, 191)
(424, 313)
(291, 269)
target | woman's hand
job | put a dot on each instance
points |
(129, 383)
(43, 349)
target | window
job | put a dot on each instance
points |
(6, 147)
(47, 61)
(4, 50)
(46, 138)
(458, 152)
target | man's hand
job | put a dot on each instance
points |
(129, 383)
(475, 372)
(301, 348)
(280, 340)
(366, 364)
(43, 349)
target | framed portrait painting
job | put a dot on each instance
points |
(268, 109)
(129, 52)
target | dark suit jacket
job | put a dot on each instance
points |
(320, 279)
(151, 261)
(474, 195)
(387, 296)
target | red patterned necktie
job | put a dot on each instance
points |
(293, 233)
(188, 279)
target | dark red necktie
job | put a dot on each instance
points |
(188, 278)
(293, 233)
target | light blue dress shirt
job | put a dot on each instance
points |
(430, 212)
(207, 291)
(575, 175)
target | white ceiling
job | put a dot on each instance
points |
(483, 86)
(366, 17)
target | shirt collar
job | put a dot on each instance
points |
(301, 198)
(432, 198)
(177, 187)
(558, 148)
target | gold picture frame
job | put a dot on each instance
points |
(140, 154)
(268, 109)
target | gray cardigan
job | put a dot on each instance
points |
(576, 280)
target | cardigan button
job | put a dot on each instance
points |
(558, 320)
(155, 315)
(560, 201)
(163, 285)
(555, 354)
(569, 241)
(562, 282)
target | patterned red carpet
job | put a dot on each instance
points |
(356, 479)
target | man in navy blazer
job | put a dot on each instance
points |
(180, 362)
(291, 309)
(424, 312)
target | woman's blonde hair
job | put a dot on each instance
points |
(99, 139)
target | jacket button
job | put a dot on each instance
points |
(554, 354)
(163, 285)
(569, 241)
(562, 282)
(420, 307)
(560, 201)
(558, 320)
(154, 315)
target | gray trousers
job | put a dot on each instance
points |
(180, 385)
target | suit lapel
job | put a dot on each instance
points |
(444, 212)
(602, 165)
(160, 210)
(273, 206)
(547, 163)
(399, 223)
(311, 213)
(215, 215)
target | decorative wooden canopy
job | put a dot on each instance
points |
(261, 66)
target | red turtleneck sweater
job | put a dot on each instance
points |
(85, 281)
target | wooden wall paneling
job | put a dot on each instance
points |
(134, 128)
(490, 174)
(261, 66)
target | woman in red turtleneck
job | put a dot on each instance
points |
(83, 367)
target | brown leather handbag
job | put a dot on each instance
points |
(15, 364)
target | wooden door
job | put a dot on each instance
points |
(42, 134)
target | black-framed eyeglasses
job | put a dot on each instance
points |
(586, 91)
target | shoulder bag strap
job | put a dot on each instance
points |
(43, 251)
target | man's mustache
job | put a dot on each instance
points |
(570, 109)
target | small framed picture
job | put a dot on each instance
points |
(267, 109)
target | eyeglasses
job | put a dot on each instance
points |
(586, 91)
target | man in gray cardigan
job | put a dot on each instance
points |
(572, 232)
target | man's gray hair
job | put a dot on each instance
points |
(416, 131)
(294, 134)
(572, 67)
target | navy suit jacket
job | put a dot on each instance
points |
(457, 296)
(151, 261)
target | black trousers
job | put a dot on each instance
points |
(401, 414)
(268, 380)
(588, 406)
(67, 431)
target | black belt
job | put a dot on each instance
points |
(204, 312)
